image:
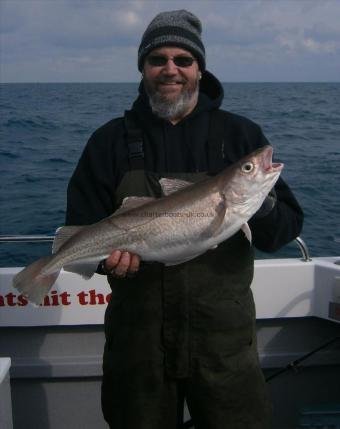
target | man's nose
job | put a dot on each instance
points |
(170, 67)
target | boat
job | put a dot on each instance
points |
(51, 355)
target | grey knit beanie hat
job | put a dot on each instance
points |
(176, 28)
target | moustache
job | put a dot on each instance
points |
(170, 80)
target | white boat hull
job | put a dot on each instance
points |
(56, 349)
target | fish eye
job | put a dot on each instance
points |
(247, 167)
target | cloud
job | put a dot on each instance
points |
(65, 23)
(54, 40)
(299, 44)
(276, 40)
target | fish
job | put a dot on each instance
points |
(186, 221)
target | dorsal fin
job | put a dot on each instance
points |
(131, 203)
(169, 186)
(63, 234)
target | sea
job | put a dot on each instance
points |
(45, 126)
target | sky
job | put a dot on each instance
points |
(97, 40)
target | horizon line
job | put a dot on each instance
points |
(137, 82)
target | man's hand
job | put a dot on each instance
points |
(122, 264)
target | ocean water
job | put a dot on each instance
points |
(44, 127)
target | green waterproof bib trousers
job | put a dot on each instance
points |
(183, 332)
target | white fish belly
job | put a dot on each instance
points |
(176, 242)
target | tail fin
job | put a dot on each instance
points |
(33, 285)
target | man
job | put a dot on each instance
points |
(185, 331)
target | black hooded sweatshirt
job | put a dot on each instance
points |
(172, 148)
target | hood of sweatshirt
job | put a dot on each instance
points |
(180, 147)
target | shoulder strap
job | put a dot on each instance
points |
(215, 141)
(216, 138)
(134, 141)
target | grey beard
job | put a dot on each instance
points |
(174, 109)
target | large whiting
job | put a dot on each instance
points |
(186, 222)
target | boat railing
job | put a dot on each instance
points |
(41, 238)
(303, 248)
(26, 238)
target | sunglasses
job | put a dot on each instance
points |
(179, 61)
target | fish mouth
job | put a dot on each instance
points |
(268, 165)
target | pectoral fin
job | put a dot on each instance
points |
(245, 228)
